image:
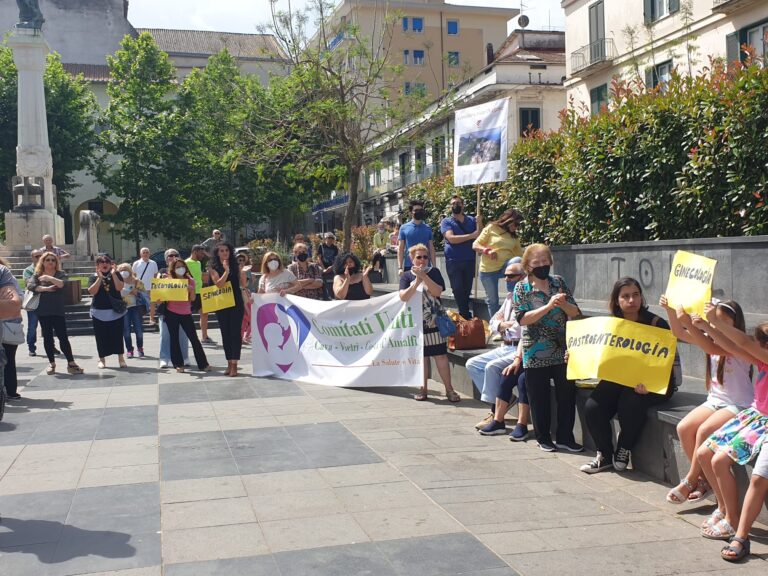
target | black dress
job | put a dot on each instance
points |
(107, 324)
(231, 319)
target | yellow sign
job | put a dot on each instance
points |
(620, 351)
(170, 290)
(690, 282)
(215, 298)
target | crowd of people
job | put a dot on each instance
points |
(728, 429)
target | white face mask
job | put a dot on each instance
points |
(125, 274)
(273, 265)
(180, 271)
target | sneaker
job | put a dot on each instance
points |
(130, 354)
(163, 364)
(570, 446)
(494, 429)
(597, 465)
(621, 459)
(546, 447)
(14, 396)
(485, 421)
(141, 352)
(207, 340)
(519, 434)
(32, 353)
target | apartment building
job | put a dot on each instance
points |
(650, 38)
(528, 69)
(438, 44)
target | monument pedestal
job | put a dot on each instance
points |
(25, 230)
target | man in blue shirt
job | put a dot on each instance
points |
(459, 230)
(414, 232)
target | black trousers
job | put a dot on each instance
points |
(610, 399)
(51, 324)
(173, 321)
(377, 259)
(539, 396)
(461, 273)
(230, 323)
(9, 372)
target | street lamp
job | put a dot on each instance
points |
(112, 229)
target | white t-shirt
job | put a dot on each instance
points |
(737, 388)
(276, 283)
(145, 271)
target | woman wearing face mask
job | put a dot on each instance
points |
(171, 257)
(104, 287)
(131, 287)
(224, 269)
(179, 314)
(308, 275)
(543, 303)
(497, 243)
(274, 278)
(350, 283)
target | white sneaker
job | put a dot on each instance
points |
(597, 465)
(163, 364)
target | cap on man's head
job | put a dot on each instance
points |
(329, 235)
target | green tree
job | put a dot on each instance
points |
(144, 144)
(72, 111)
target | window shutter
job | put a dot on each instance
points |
(732, 48)
(648, 11)
(650, 78)
(674, 6)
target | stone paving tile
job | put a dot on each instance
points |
(424, 520)
(213, 542)
(202, 489)
(198, 514)
(317, 532)
(251, 566)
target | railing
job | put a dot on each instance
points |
(406, 179)
(603, 50)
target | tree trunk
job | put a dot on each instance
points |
(350, 216)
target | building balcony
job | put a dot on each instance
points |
(596, 55)
(726, 6)
(405, 179)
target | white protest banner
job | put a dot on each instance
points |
(480, 144)
(363, 343)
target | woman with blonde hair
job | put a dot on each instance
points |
(435, 345)
(543, 303)
(275, 279)
(48, 281)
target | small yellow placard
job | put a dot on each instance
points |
(215, 298)
(170, 290)
(620, 351)
(690, 282)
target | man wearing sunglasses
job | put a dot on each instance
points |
(459, 231)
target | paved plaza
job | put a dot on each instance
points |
(137, 472)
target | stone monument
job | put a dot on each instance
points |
(34, 201)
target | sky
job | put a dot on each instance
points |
(246, 15)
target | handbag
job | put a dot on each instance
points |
(13, 333)
(31, 300)
(445, 326)
(470, 335)
(118, 304)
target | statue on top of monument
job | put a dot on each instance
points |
(30, 15)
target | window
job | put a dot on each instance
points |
(658, 9)
(755, 35)
(406, 57)
(453, 27)
(420, 89)
(662, 73)
(530, 119)
(97, 206)
(757, 38)
(418, 57)
(407, 88)
(417, 25)
(405, 24)
(599, 99)
(453, 59)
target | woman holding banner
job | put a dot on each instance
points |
(729, 390)
(610, 399)
(171, 256)
(350, 281)
(107, 310)
(496, 244)
(179, 314)
(224, 269)
(435, 345)
(543, 303)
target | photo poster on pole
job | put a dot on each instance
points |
(480, 144)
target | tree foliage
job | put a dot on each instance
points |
(686, 161)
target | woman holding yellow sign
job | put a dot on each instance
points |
(224, 269)
(179, 314)
(609, 399)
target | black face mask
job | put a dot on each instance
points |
(302, 257)
(457, 208)
(419, 214)
(541, 272)
(353, 271)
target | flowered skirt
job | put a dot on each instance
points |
(742, 437)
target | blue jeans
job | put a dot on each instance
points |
(132, 316)
(485, 371)
(165, 343)
(32, 330)
(490, 282)
(461, 273)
